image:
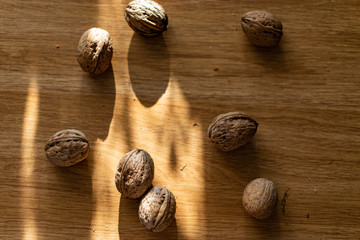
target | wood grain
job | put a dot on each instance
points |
(304, 94)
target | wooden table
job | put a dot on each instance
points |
(160, 95)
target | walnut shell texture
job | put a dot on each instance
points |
(95, 51)
(157, 209)
(134, 174)
(260, 198)
(67, 147)
(232, 130)
(262, 28)
(146, 17)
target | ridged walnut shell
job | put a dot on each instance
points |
(134, 174)
(232, 130)
(66, 148)
(95, 50)
(262, 28)
(146, 17)
(157, 209)
(260, 198)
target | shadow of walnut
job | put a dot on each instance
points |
(149, 68)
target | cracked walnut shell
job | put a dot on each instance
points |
(260, 198)
(262, 28)
(146, 17)
(157, 209)
(134, 174)
(66, 148)
(232, 130)
(95, 51)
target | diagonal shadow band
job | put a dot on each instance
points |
(149, 68)
(64, 195)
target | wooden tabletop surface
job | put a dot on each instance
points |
(160, 95)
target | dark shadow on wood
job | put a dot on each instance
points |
(245, 160)
(233, 170)
(66, 200)
(149, 68)
(273, 59)
(12, 182)
(101, 88)
(173, 157)
(267, 228)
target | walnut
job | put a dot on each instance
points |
(157, 209)
(95, 51)
(262, 28)
(146, 17)
(260, 198)
(134, 174)
(66, 148)
(232, 130)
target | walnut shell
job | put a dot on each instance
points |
(232, 130)
(66, 148)
(134, 174)
(157, 209)
(95, 51)
(260, 198)
(146, 17)
(262, 28)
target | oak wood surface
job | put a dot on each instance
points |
(160, 95)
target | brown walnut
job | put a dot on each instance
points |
(262, 28)
(232, 130)
(146, 17)
(95, 51)
(260, 198)
(66, 148)
(157, 209)
(134, 174)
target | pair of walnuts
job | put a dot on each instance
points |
(230, 131)
(133, 179)
(95, 49)
(149, 18)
